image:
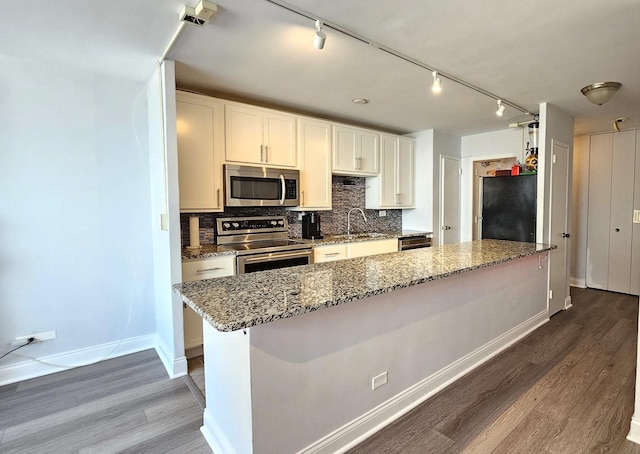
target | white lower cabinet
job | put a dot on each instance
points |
(332, 252)
(197, 270)
(329, 253)
(364, 248)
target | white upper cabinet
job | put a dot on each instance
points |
(260, 136)
(356, 151)
(200, 130)
(394, 187)
(314, 159)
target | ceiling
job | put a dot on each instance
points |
(525, 52)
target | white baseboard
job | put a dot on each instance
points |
(175, 366)
(634, 431)
(29, 368)
(215, 437)
(367, 424)
(577, 282)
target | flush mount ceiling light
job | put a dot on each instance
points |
(360, 101)
(437, 83)
(601, 92)
(500, 110)
(320, 36)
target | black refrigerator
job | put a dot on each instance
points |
(509, 208)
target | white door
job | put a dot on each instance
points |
(559, 298)
(610, 221)
(449, 200)
(622, 182)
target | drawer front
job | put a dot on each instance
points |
(196, 270)
(364, 248)
(329, 253)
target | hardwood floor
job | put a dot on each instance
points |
(124, 405)
(568, 388)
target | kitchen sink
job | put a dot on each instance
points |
(360, 235)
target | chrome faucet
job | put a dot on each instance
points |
(349, 218)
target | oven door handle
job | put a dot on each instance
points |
(276, 256)
(283, 189)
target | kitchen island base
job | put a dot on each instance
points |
(304, 384)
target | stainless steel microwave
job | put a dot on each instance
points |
(246, 186)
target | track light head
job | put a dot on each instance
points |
(437, 83)
(320, 36)
(500, 110)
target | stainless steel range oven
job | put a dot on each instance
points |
(262, 243)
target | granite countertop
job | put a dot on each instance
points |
(206, 251)
(237, 302)
(212, 250)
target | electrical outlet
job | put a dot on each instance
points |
(379, 380)
(382, 213)
(39, 337)
(299, 216)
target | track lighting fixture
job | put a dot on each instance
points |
(437, 83)
(500, 110)
(320, 36)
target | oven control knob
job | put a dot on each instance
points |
(226, 225)
(235, 225)
(274, 222)
(280, 222)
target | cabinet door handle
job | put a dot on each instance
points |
(218, 197)
(332, 254)
(358, 163)
(266, 153)
(205, 270)
(261, 153)
(302, 199)
(566, 235)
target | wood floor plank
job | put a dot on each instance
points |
(584, 418)
(410, 436)
(180, 438)
(468, 421)
(614, 428)
(151, 392)
(494, 434)
(70, 438)
(130, 438)
(528, 437)
(559, 401)
(197, 446)
(169, 406)
(591, 346)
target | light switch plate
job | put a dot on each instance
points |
(636, 216)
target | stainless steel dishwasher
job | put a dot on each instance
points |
(413, 242)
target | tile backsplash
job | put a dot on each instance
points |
(347, 193)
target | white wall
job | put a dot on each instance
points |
(421, 217)
(554, 125)
(480, 147)
(165, 219)
(76, 253)
(443, 145)
(579, 207)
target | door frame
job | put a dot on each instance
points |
(441, 197)
(567, 225)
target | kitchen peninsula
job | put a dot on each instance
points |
(315, 358)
